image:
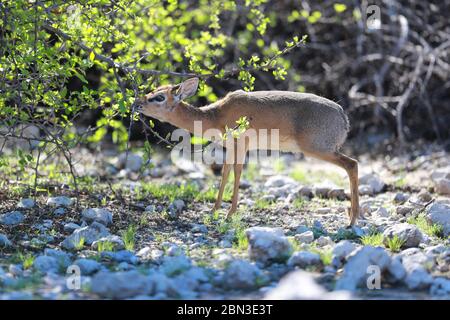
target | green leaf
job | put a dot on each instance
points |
(339, 7)
(92, 55)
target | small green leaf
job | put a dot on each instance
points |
(92, 55)
(339, 7)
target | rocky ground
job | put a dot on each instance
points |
(142, 229)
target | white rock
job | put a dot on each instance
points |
(323, 241)
(343, 249)
(381, 212)
(61, 256)
(305, 237)
(268, 244)
(101, 215)
(89, 233)
(441, 180)
(175, 264)
(116, 242)
(440, 287)
(88, 266)
(303, 259)
(27, 203)
(357, 271)
(132, 162)
(396, 270)
(45, 264)
(280, 181)
(374, 182)
(415, 261)
(11, 218)
(439, 213)
(119, 285)
(241, 274)
(4, 241)
(410, 234)
(300, 285)
(60, 201)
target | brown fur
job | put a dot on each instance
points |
(307, 123)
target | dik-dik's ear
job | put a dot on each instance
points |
(187, 88)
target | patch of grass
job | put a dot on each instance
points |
(187, 191)
(105, 246)
(395, 243)
(262, 204)
(251, 171)
(26, 259)
(375, 240)
(80, 244)
(279, 166)
(240, 240)
(428, 228)
(299, 203)
(210, 195)
(295, 244)
(316, 176)
(326, 254)
(299, 174)
(128, 237)
(345, 234)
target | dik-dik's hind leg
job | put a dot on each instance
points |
(225, 173)
(351, 167)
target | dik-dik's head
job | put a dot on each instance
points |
(161, 102)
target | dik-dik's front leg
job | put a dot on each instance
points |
(240, 151)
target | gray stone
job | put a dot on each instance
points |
(60, 211)
(400, 198)
(11, 218)
(62, 257)
(374, 182)
(440, 287)
(172, 265)
(88, 266)
(304, 259)
(268, 244)
(279, 181)
(100, 215)
(125, 256)
(406, 232)
(381, 212)
(71, 227)
(116, 242)
(439, 213)
(343, 249)
(241, 274)
(305, 237)
(26, 203)
(4, 241)
(415, 263)
(131, 162)
(119, 285)
(45, 264)
(396, 270)
(60, 201)
(90, 234)
(323, 241)
(404, 210)
(356, 270)
(300, 285)
(441, 180)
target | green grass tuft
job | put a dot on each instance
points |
(395, 243)
(128, 237)
(375, 240)
(426, 227)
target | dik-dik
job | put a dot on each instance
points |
(306, 123)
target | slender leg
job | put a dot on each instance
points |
(351, 167)
(225, 173)
(237, 177)
(240, 151)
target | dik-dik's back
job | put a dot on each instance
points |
(306, 122)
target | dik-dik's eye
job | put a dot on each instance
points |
(158, 98)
